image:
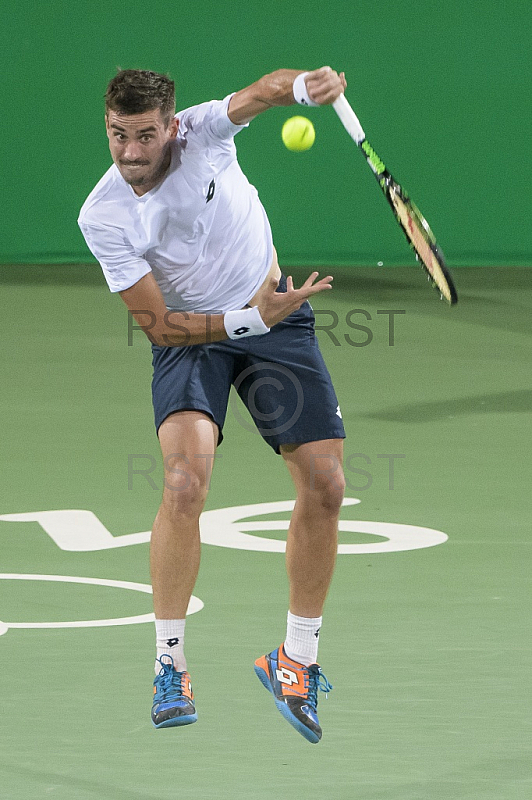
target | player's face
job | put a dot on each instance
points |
(140, 146)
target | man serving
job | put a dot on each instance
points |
(181, 234)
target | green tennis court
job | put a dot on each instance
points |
(426, 635)
(428, 649)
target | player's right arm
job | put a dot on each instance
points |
(276, 89)
(177, 329)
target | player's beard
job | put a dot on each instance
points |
(151, 177)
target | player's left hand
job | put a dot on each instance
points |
(275, 306)
(324, 85)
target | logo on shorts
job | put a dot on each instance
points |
(338, 412)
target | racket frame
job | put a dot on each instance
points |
(437, 270)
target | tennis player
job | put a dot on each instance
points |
(182, 236)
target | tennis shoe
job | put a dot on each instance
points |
(295, 690)
(173, 698)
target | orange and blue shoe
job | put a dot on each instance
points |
(173, 701)
(295, 690)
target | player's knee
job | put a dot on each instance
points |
(328, 492)
(184, 494)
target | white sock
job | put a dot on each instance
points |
(171, 641)
(302, 636)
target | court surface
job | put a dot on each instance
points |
(426, 639)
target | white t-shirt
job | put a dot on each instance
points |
(202, 231)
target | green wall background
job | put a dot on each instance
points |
(442, 90)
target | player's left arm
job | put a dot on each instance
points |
(324, 85)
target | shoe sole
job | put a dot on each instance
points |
(285, 711)
(174, 722)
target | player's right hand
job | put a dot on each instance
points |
(325, 85)
(275, 306)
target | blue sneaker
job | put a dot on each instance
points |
(295, 690)
(173, 701)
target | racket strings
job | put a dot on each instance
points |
(417, 235)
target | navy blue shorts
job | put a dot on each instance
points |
(281, 378)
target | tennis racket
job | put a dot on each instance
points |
(413, 223)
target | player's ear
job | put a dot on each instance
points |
(174, 127)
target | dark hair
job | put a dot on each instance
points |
(133, 91)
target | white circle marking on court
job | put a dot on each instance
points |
(194, 605)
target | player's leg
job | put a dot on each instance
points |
(190, 390)
(188, 441)
(290, 672)
(292, 400)
(312, 543)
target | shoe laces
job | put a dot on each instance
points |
(169, 680)
(317, 680)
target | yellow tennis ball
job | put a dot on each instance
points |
(298, 134)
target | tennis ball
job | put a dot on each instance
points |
(298, 134)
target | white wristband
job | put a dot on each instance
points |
(244, 322)
(301, 95)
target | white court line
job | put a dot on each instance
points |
(194, 605)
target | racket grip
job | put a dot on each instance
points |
(349, 119)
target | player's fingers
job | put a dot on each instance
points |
(316, 289)
(324, 283)
(322, 78)
(310, 280)
(318, 73)
(289, 284)
(325, 88)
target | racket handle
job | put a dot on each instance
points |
(349, 119)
